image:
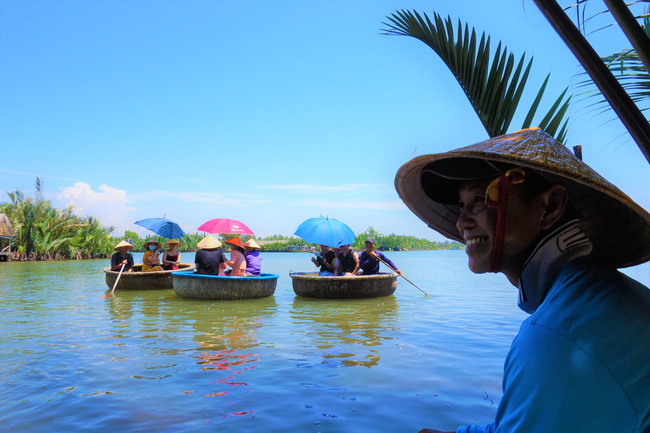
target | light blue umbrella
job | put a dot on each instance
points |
(162, 227)
(325, 231)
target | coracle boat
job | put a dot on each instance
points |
(138, 280)
(311, 285)
(214, 287)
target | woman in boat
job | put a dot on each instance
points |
(325, 260)
(529, 209)
(122, 257)
(349, 262)
(171, 257)
(369, 259)
(253, 258)
(151, 258)
(237, 258)
(209, 258)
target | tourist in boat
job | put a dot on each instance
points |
(253, 258)
(369, 259)
(151, 257)
(209, 258)
(122, 257)
(237, 260)
(349, 262)
(171, 257)
(325, 260)
(527, 208)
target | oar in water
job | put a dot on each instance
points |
(116, 281)
(401, 275)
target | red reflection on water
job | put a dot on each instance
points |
(226, 360)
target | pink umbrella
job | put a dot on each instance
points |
(225, 225)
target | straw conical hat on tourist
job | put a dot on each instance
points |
(618, 228)
(172, 242)
(252, 244)
(146, 244)
(123, 244)
(208, 243)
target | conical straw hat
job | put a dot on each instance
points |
(123, 244)
(618, 228)
(208, 243)
(252, 244)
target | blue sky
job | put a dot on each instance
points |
(269, 112)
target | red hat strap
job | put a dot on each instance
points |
(496, 195)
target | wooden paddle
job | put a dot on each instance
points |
(401, 275)
(116, 281)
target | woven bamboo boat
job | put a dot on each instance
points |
(311, 285)
(214, 287)
(138, 280)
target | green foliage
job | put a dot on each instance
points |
(275, 237)
(493, 86)
(46, 233)
(283, 244)
(393, 242)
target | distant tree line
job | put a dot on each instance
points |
(46, 233)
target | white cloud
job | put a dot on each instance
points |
(307, 188)
(295, 188)
(211, 198)
(109, 205)
(352, 204)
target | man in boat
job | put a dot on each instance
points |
(349, 262)
(325, 260)
(369, 259)
(122, 257)
(209, 259)
(253, 258)
(527, 208)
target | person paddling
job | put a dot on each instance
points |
(369, 261)
(122, 257)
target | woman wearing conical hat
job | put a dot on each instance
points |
(151, 257)
(527, 208)
(237, 260)
(171, 257)
(253, 258)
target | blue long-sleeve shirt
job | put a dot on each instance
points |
(580, 362)
(370, 265)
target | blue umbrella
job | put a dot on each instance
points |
(162, 227)
(325, 231)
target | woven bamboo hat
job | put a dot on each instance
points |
(252, 244)
(146, 244)
(172, 242)
(618, 228)
(123, 244)
(208, 243)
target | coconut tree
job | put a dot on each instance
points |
(493, 84)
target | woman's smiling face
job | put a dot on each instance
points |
(477, 225)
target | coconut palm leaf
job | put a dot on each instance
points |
(493, 84)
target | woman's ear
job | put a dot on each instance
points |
(555, 201)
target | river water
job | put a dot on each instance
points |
(152, 362)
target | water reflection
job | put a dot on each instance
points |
(227, 334)
(346, 332)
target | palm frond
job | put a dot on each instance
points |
(493, 84)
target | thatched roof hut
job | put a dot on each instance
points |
(6, 231)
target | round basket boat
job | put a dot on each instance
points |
(214, 287)
(311, 285)
(138, 280)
